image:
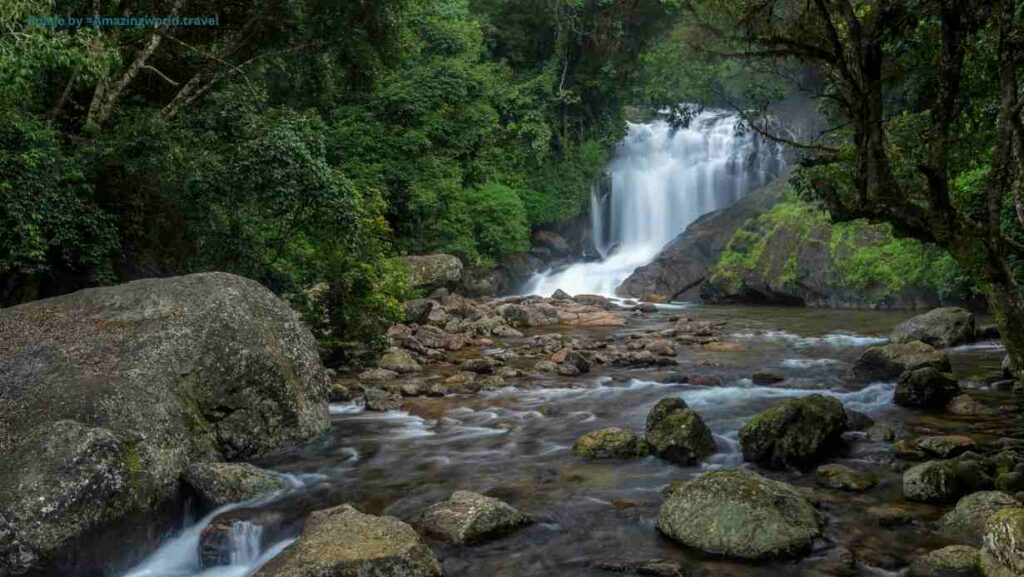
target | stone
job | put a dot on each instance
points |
(480, 365)
(946, 446)
(967, 405)
(925, 388)
(561, 295)
(794, 433)
(381, 400)
(888, 362)
(418, 310)
(571, 358)
(1002, 554)
(219, 484)
(738, 513)
(469, 518)
(545, 366)
(951, 561)
(879, 432)
(342, 542)
(433, 270)
(968, 519)
(461, 382)
(112, 392)
(1011, 482)
(399, 361)
(844, 478)
(677, 433)
(941, 328)
(889, 515)
(218, 537)
(436, 338)
(376, 375)
(610, 443)
(945, 481)
(481, 282)
(766, 378)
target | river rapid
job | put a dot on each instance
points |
(589, 517)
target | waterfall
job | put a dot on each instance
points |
(662, 179)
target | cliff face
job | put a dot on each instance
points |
(771, 248)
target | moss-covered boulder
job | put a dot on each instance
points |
(845, 478)
(610, 443)
(1002, 554)
(434, 270)
(888, 362)
(941, 328)
(794, 433)
(951, 561)
(469, 517)
(925, 388)
(945, 481)
(738, 513)
(342, 542)
(677, 433)
(111, 393)
(968, 519)
(399, 361)
(218, 484)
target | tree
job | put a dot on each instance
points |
(926, 128)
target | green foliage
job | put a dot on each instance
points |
(484, 224)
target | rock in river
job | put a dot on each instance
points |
(677, 433)
(941, 328)
(1003, 552)
(968, 519)
(739, 513)
(951, 561)
(925, 388)
(843, 477)
(469, 517)
(794, 433)
(945, 481)
(342, 542)
(112, 392)
(610, 443)
(222, 483)
(890, 361)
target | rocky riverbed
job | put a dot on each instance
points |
(579, 436)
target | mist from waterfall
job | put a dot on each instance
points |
(662, 179)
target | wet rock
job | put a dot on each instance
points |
(951, 561)
(766, 378)
(545, 367)
(610, 443)
(890, 361)
(880, 432)
(946, 446)
(461, 382)
(553, 242)
(570, 358)
(647, 307)
(945, 481)
(968, 519)
(435, 338)
(479, 282)
(845, 478)
(592, 300)
(858, 421)
(532, 315)
(652, 568)
(381, 400)
(889, 515)
(839, 562)
(667, 377)
(678, 434)
(967, 405)
(661, 347)
(399, 361)
(705, 380)
(561, 295)
(490, 383)
(342, 542)
(794, 433)
(469, 518)
(216, 538)
(110, 393)
(941, 328)
(1003, 552)
(418, 310)
(218, 484)
(480, 365)
(1011, 482)
(738, 513)
(908, 449)
(377, 375)
(434, 270)
(925, 388)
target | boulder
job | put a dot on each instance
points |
(738, 513)
(610, 443)
(794, 433)
(434, 270)
(968, 519)
(552, 242)
(946, 446)
(844, 478)
(561, 295)
(945, 481)
(951, 561)
(941, 328)
(376, 375)
(418, 310)
(858, 421)
(468, 517)
(435, 338)
(880, 432)
(890, 361)
(399, 361)
(381, 400)
(678, 434)
(1002, 554)
(111, 393)
(342, 542)
(484, 282)
(925, 388)
(967, 405)
(218, 484)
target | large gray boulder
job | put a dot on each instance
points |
(111, 393)
(945, 481)
(892, 360)
(794, 433)
(468, 517)
(941, 328)
(738, 513)
(434, 270)
(342, 542)
(218, 484)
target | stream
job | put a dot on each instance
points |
(514, 443)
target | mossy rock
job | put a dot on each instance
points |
(610, 443)
(951, 561)
(967, 521)
(794, 433)
(1003, 550)
(844, 478)
(889, 361)
(677, 433)
(468, 517)
(945, 481)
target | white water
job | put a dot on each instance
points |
(663, 180)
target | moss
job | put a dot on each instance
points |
(135, 465)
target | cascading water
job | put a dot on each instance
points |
(662, 179)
